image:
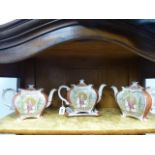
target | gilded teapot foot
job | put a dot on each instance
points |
(143, 119)
(37, 116)
(21, 118)
(123, 115)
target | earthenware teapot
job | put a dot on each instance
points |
(30, 102)
(134, 101)
(81, 99)
(151, 91)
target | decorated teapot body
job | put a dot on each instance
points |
(81, 99)
(133, 101)
(30, 103)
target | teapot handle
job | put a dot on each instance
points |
(59, 94)
(4, 94)
(49, 100)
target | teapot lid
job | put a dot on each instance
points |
(30, 88)
(135, 85)
(81, 83)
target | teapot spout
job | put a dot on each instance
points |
(115, 90)
(50, 97)
(100, 92)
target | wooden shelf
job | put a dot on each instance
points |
(51, 53)
(110, 122)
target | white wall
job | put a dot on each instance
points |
(150, 82)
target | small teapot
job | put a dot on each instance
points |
(81, 99)
(151, 91)
(30, 102)
(133, 101)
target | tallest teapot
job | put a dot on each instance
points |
(81, 99)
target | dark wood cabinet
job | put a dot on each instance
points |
(49, 53)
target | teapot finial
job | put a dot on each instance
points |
(135, 83)
(31, 86)
(82, 81)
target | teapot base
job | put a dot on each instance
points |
(141, 118)
(22, 117)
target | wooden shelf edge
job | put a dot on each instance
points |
(78, 132)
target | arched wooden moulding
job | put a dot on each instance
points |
(23, 39)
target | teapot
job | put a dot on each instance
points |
(134, 101)
(81, 99)
(30, 102)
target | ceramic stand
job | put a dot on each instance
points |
(77, 113)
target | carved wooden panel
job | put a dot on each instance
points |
(48, 74)
(25, 38)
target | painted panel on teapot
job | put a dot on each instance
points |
(30, 105)
(132, 104)
(83, 99)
